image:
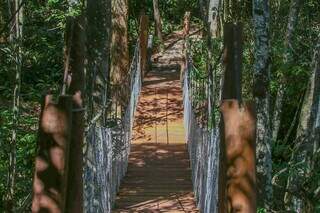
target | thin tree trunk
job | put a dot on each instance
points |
(16, 41)
(213, 17)
(292, 21)
(261, 92)
(302, 160)
(157, 20)
(2, 18)
(226, 10)
(203, 4)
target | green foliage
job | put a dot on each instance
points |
(260, 210)
(26, 135)
(42, 68)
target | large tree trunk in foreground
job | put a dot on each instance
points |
(98, 45)
(157, 19)
(16, 41)
(261, 92)
(303, 160)
(292, 21)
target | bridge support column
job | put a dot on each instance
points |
(51, 173)
(237, 172)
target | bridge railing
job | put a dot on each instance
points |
(203, 140)
(107, 151)
(222, 148)
(66, 180)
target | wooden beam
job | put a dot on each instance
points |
(51, 172)
(237, 172)
(232, 60)
(76, 89)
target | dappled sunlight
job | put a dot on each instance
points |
(159, 174)
(159, 112)
(158, 178)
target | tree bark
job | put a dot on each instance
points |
(143, 39)
(308, 138)
(119, 54)
(261, 92)
(213, 17)
(2, 19)
(157, 19)
(15, 39)
(98, 46)
(119, 44)
(203, 4)
(292, 21)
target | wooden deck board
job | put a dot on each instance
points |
(159, 175)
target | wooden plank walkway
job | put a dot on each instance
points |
(159, 175)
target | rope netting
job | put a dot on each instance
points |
(107, 149)
(202, 137)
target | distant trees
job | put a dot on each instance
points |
(302, 190)
(287, 56)
(157, 19)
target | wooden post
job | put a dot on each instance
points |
(144, 21)
(239, 143)
(232, 62)
(51, 172)
(237, 173)
(76, 89)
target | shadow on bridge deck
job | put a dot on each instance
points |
(159, 175)
(158, 180)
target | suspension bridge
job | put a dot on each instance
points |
(160, 153)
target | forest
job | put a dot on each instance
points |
(42, 40)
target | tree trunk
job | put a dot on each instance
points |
(213, 15)
(292, 21)
(302, 161)
(2, 20)
(157, 20)
(119, 44)
(16, 41)
(203, 4)
(98, 46)
(261, 92)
